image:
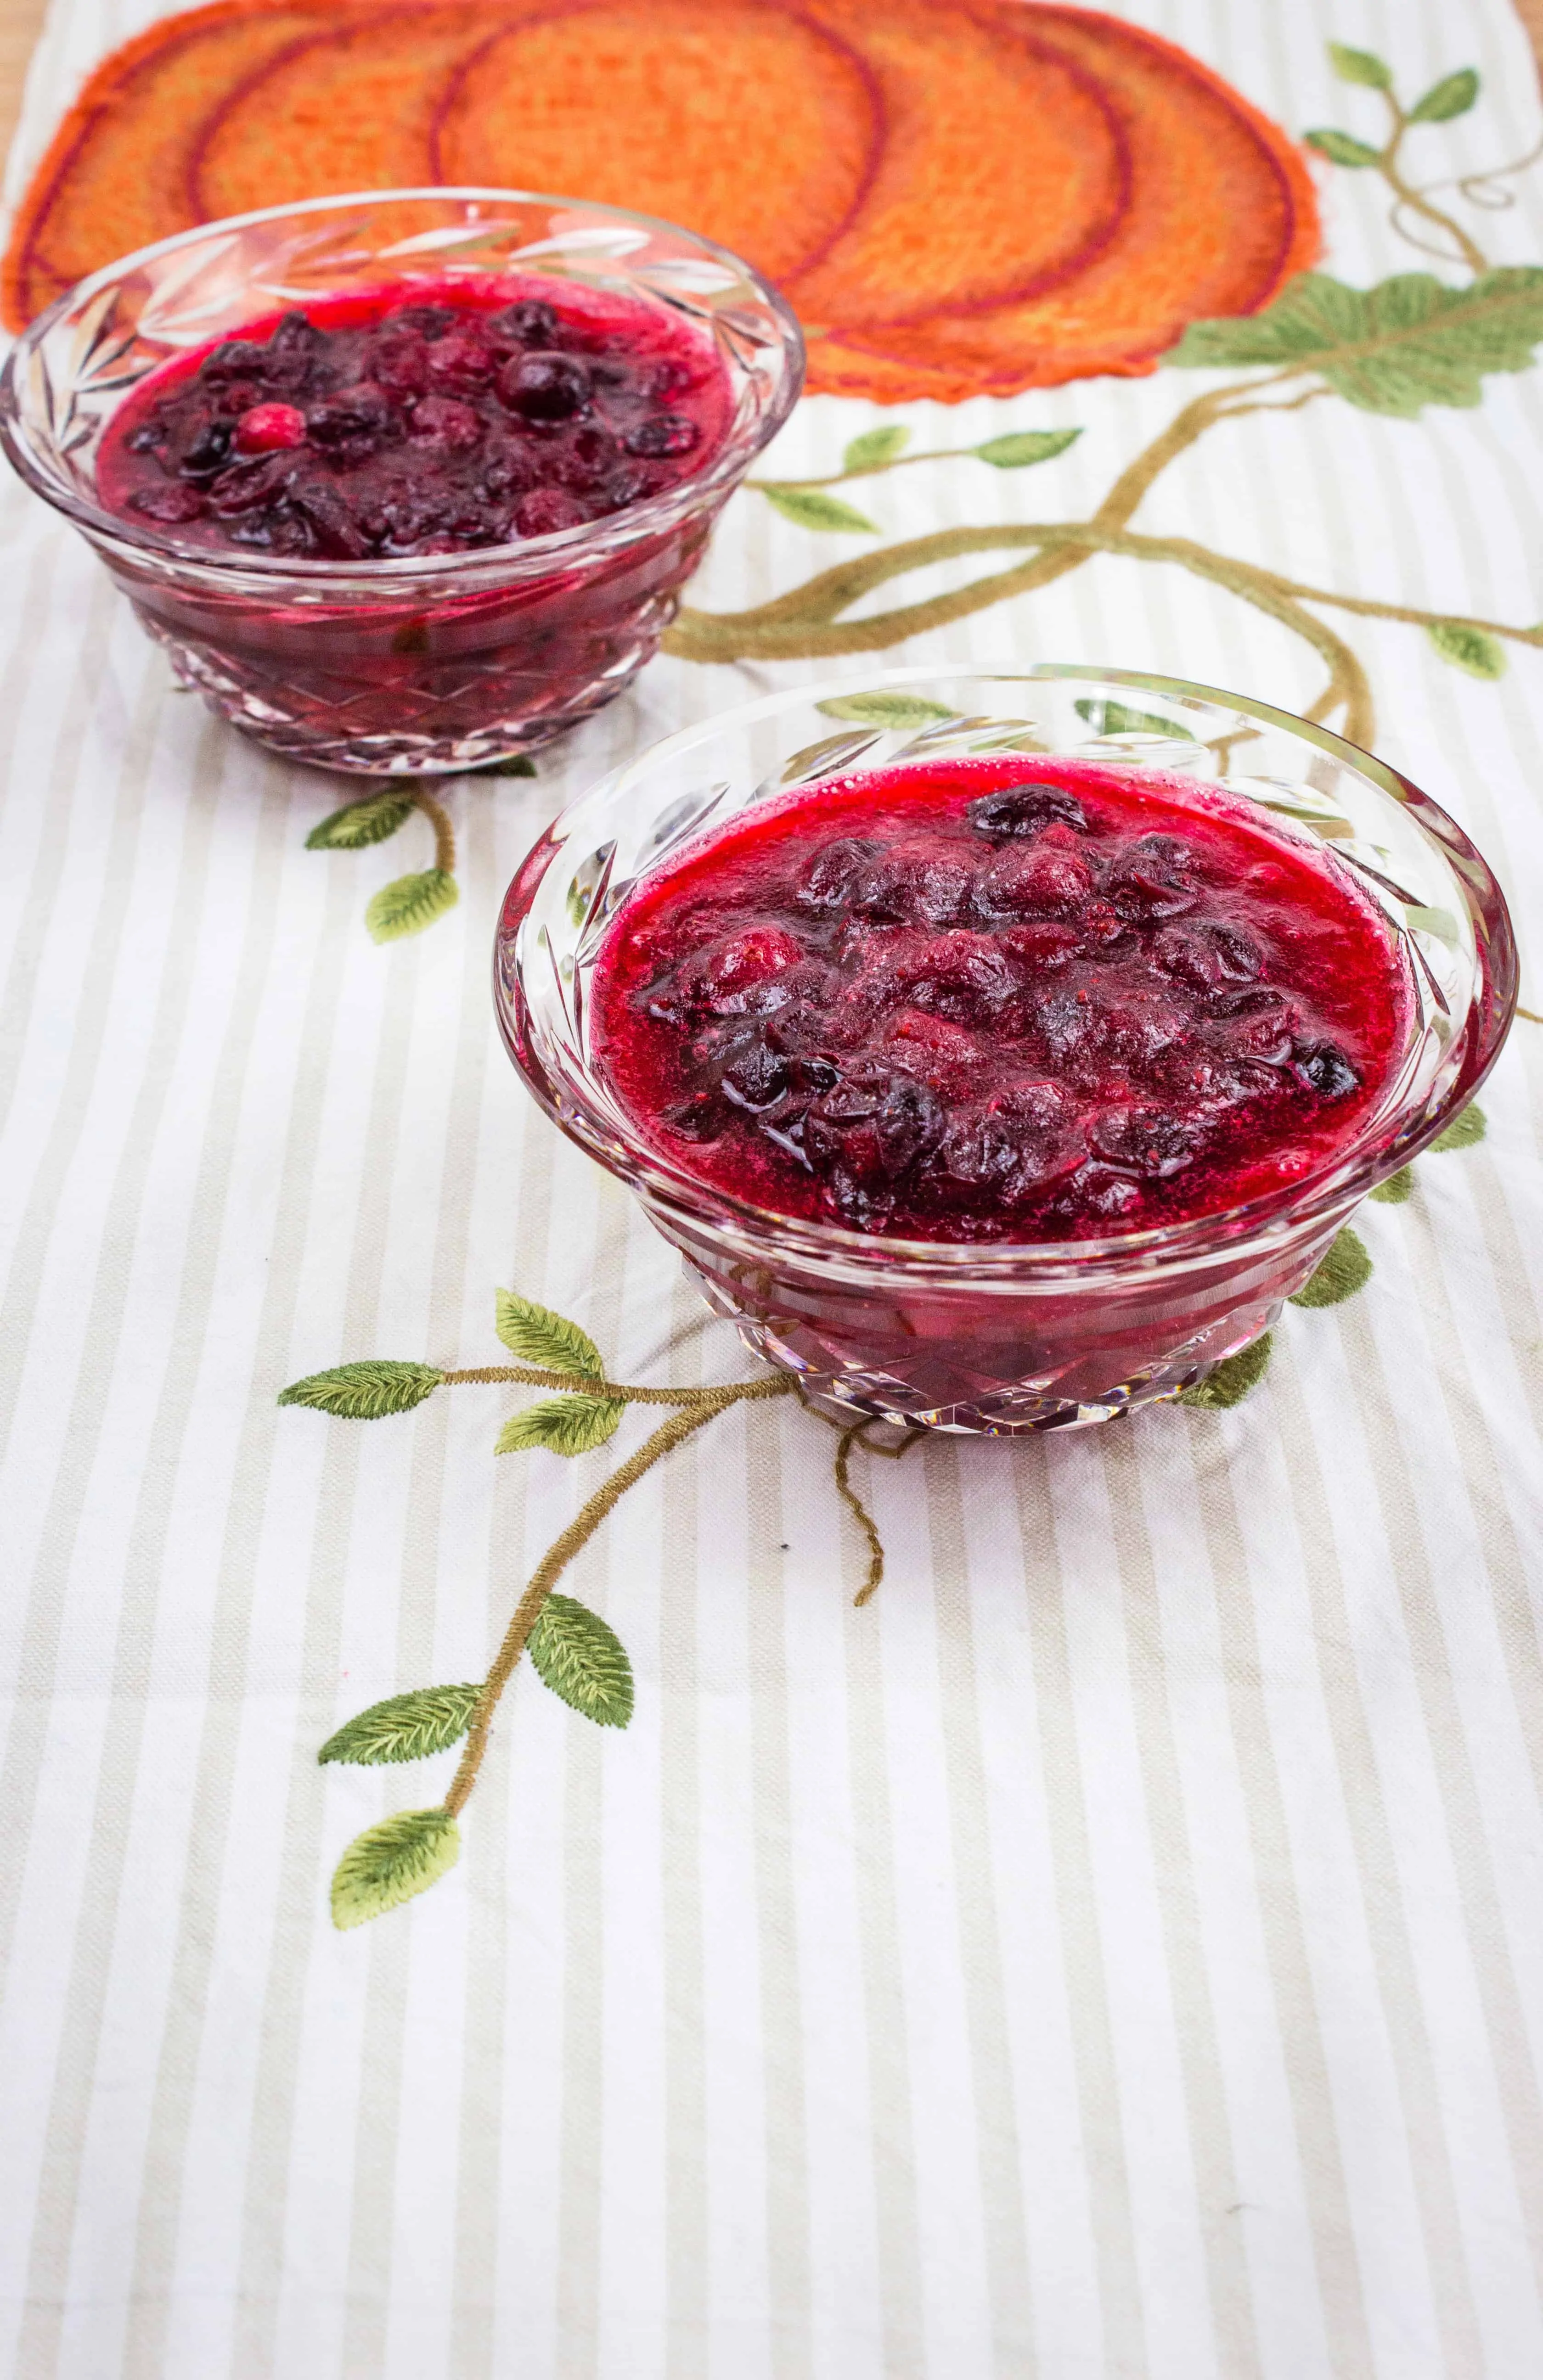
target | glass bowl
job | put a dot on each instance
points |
(1006, 1338)
(435, 662)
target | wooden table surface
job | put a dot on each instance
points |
(20, 21)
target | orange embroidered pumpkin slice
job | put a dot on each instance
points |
(1004, 170)
(1221, 212)
(750, 124)
(115, 177)
(350, 109)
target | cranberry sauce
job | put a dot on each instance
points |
(972, 1000)
(418, 419)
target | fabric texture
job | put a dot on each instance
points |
(1112, 1952)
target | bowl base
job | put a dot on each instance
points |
(493, 712)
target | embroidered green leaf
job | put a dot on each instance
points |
(1118, 719)
(1017, 448)
(812, 508)
(1228, 1382)
(1453, 95)
(1397, 1187)
(516, 764)
(1408, 343)
(410, 903)
(362, 822)
(548, 1341)
(875, 446)
(583, 1661)
(388, 1863)
(881, 709)
(1342, 148)
(1345, 1270)
(1469, 648)
(571, 1424)
(365, 1391)
(1360, 65)
(1466, 1131)
(406, 1727)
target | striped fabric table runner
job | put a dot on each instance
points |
(1115, 1949)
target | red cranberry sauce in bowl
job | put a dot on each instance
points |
(408, 480)
(975, 1001)
(417, 419)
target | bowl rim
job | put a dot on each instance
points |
(535, 556)
(1335, 1189)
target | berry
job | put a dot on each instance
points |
(546, 510)
(1025, 811)
(543, 388)
(266, 428)
(441, 428)
(663, 433)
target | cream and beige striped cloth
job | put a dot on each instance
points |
(1116, 1952)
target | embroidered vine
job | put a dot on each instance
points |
(572, 1651)
(1409, 342)
(408, 903)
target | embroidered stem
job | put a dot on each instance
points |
(444, 833)
(528, 1376)
(861, 1512)
(575, 1537)
(1417, 202)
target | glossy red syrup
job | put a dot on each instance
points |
(417, 419)
(975, 1001)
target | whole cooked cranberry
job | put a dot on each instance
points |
(264, 428)
(965, 977)
(430, 322)
(204, 444)
(589, 462)
(400, 366)
(752, 1073)
(1099, 1190)
(1260, 1023)
(1147, 1140)
(917, 882)
(170, 503)
(544, 387)
(724, 979)
(1025, 809)
(1071, 1024)
(830, 874)
(506, 470)
(1143, 1026)
(531, 321)
(236, 359)
(662, 434)
(874, 1124)
(146, 438)
(247, 485)
(349, 415)
(461, 359)
(444, 425)
(1154, 877)
(290, 355)
(1042, 946)
(1033, 881)
(1325, 1069)
(623, 486)
(324, 513)
(1210, 958)
(546, 510)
